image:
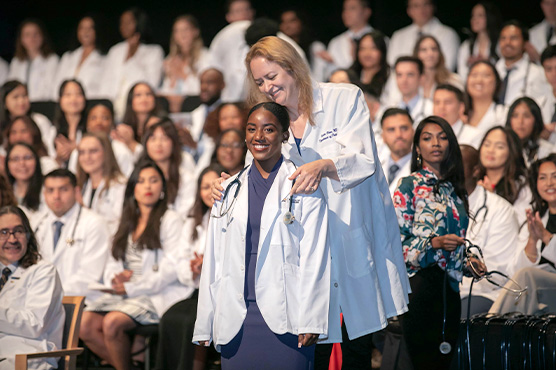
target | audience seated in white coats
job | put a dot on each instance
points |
(175, 350)
(397, 134)
(542, 34)
(341, 49)
(230, 151)
(24, 129)
(520, 77)
(162, 145)
(435, 72)
(34, 62)
(71, 237)
(69, 120)
(525, 119)
(131, 61)
(85, 63)
(32, 317)
(15, 102)
(548, 61)
(4, 69)
(99, 178)
(23, 171)
(503, 171)
(482, 43)
(100, 120)
(140, 276)
(408, 73)
(536, 254)
(185, 62)
(141, 105)
(424, 22)
(448, 103)
(481, 89)
(493, 228)
(294, 23)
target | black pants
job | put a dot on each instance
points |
(422, 324)
(356, 353)
(175, 350)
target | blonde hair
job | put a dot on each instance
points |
(110, 169)
(282, 53)
(194, 53)
(442, 74)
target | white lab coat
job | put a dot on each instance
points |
(463, 57)
(520, 258)
(41, 76)
(31, 315)
(88, 74)
(186, 193)
(121, 74)
(467, 134)
(292, 278)
(162, 286)
(124, 157)
(107, 203)
(185, 275)
(403, 41)
(82, 262)
(537, 36)
(342, 48)
(495, 231)
(527, 79)
(4, 70)
(191, 85)
(368, 274)
(495, 116)
(48, 132)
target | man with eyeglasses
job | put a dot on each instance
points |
(31, 312)
(494, 229)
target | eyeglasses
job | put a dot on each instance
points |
(18, 232)
(25, 158)
(477, 266)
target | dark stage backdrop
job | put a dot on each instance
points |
(61, 16)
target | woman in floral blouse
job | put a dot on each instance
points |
(432, 209)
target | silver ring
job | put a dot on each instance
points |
(312, 188)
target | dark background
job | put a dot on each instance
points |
(61, 16)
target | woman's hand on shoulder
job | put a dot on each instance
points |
(216, 187)
(447, 242)
(306, 340)
(308, 176)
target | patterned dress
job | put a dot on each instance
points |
(427, 207)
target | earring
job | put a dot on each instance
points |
(418, 159)
(161, 195)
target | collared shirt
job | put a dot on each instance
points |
(12, 266)
(401, 162)
(526, 79)
(341, 47)
(538, 35)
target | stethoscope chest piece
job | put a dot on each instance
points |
(155, 267)
(445, 348)
(288, 218)
(70, 241)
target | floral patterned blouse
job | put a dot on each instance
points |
(427, 208)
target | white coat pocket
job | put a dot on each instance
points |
(357, 251)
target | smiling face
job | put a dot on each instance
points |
(522, 121)
(495, 151)
(13, 248)
(184, 33)
(99, 119)
(86, 34)
(369, 55)
(21, 163)
(275, 82)
(206, 184)
(433, 146)
(148, 188)
(512, 44)
(481, 82)
(546, 183)
(72, 100)
(17, 102)
(230, 152)
(90, 155)
(429, 53)
(264, 138)
(20, 132)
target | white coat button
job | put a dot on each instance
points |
(335, 285)
(240, 296)
(242, 268)
(242, 238)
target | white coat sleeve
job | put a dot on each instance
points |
(154, 282)
(153, 66)
(356, 160)
(183, 267)
(549, 251)
(42, 296)
(314, 266)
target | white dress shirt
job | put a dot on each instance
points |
(342, 47)
(88, 73)
(31, 315)
(526, 79)
(403, 41)
(538, 35)
(38, 74)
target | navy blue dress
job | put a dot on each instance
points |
(256, 346)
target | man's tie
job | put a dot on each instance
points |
(553, 119)
(504, 87)
(4, 278)
(57, 231)
(549, 34)
(392, 171)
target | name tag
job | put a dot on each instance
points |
(328, 135)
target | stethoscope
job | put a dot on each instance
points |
(71, 240)
(483, 209)
(288, 218)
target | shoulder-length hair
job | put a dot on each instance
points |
(451, 167)
(32, 255)
(194, 53)
(241, 136)
(46, 47)
(100, 33)
(130, 118)
(515, 170)
(5, 117)
(531, 143)
(142, 26)
(60, 121)
(442, 74)
(212, 123)
(36, 136)
(7, 197)
(381, 77)
(199, 208)
(281, 52)
(32, 199)
(173, 180)
(493, 25)
(150, 239)
(497, 82)
(110, 169)
(539, 204)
